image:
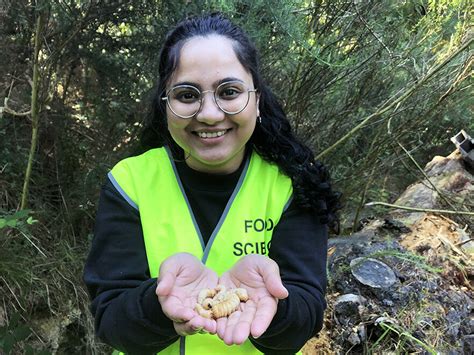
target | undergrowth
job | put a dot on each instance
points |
(43, 304)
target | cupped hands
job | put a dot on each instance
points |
(182, 276)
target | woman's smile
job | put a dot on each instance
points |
(209, 135)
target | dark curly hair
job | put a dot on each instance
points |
(273, 138)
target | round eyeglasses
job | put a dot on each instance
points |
(231, 97)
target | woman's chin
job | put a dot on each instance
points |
(215, 163)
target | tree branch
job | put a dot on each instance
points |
(371, 31)
(34, 109)
(12, 112)
(416, 209)
(394, 101)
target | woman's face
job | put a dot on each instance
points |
(213, 141)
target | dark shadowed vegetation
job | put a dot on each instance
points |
(371, 86)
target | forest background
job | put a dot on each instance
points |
(371, 86)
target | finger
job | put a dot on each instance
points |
(165, 283)
(271, 278)
(196, 325)
(232, 322)
(266, 309)
(242, 329)
(183, 329)
(200, 323)
(221, 325)
(209, 326)
(178, 313)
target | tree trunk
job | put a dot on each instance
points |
(34, 110)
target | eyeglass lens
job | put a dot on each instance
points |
(186, 100)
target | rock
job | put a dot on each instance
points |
(418, 195)
(354, 339)
(412, 273)
(441, 165)
(470, 325)
(351, 298)
(449, 175)
(372, 273)
(362, 332)
(348, 309)
(467, 244)
(388, 303)
(453, 318)
(468, 344)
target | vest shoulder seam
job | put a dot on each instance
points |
(121, 191)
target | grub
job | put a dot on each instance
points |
(219, 302)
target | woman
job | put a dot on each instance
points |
(229, 197)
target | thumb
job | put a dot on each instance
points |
(169, 271)
(165, 283)
(271, 278)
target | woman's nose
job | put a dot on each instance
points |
(209, 113)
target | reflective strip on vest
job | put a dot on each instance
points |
(150, 183)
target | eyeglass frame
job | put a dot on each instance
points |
(201, 93)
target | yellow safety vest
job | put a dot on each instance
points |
(150, 183)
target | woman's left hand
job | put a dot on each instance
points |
(260, 275)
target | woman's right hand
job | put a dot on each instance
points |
(181, 277)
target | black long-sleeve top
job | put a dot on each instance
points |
(127, 313)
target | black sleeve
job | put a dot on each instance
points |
(299, 246)
(127, 313)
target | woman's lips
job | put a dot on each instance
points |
(211, 134)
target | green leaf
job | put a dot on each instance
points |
(12, 223)
(14, 320)
(20, 214)
(8, 343)
(21, 333)
(31, 220)
(3, 223)
(29, 350)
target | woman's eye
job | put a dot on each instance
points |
(187, 96)
(229, 93)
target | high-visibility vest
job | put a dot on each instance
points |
(150, 183)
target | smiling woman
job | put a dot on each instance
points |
(224, 196)
(214, 137)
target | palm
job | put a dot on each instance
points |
(181, 277)
(185, 289)
(246, 276)
(260, 276)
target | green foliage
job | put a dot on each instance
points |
(332, 63)
(417, 260)
(402, 337)
(12, 334)
(13, 337)
(17, 220)
(14, 235)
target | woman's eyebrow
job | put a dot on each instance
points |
(216, 84)
(189, 83)
(226, 80)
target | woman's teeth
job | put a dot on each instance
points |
(210, 134)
